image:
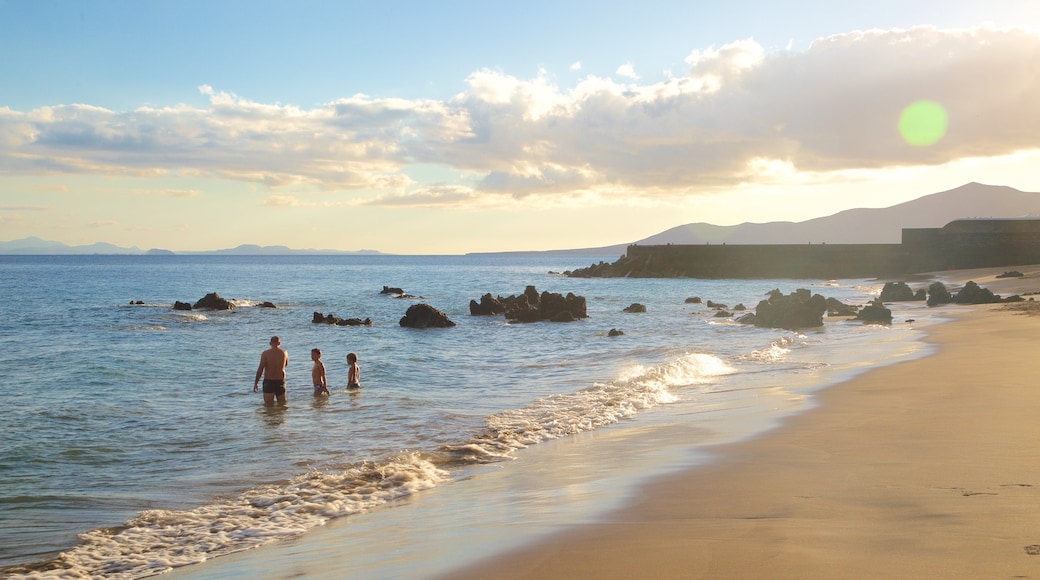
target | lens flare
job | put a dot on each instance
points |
(923, 123)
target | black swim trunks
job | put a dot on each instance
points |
(274, 386)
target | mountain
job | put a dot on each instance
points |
(867, 226)
(36, 246)
(853, 226)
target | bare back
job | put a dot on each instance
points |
(273, 362)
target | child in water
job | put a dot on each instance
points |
(353, 372)
(321, 384)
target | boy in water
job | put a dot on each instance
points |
(321, 385)
(353, 372)
(272, 367)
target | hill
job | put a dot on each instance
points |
(853, 226)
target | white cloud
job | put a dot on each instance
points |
(576, 65)
(627, 70)
(738, 115)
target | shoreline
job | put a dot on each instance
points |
(923, 468)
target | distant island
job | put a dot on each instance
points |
(853, 226)
(36, 246)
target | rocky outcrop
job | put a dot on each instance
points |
(532, 306)
(178, 305)
(1011, 274)
(898, 292)
(836, 307)
(693, 300)
(213, 301)
(319, 318)
(615, 332)
(268, 305)
(938, 294)
(635, 307)
(425, 316)
(391, 290)
(972, 293)
(875, 313)
(799, 309)
(488, 306)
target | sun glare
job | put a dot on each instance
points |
(923, 123)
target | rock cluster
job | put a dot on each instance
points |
(799, 309)
(972, 293)
(900, 292)
(213, 301)
(532, 306)
(875, 313)
(319, 318)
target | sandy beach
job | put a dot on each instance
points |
(924, 469)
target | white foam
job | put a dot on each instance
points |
(158, 540)
(637, 389)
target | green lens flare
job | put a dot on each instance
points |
(923, 123)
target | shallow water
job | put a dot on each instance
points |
(135, 443)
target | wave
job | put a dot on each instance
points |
(159, 540)
(156, 541)
(603, 404)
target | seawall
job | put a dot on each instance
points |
(959, 244)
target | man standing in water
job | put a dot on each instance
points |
(272, 367)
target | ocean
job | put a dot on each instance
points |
(134, 445)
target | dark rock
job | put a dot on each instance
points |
(353, 322)
(391, 290)
(897, 292)
(875, 312)
(938, 294)
(972, 293)
(722, 313)
(836, 307)
(532, 306)
(748, 318)
(1015, 298)
(921, 295)
(488, 306)
(693, 300)
(181, 305)
(213, 301)
(800, 309)
(711, 304)
(268, 305)
(137, 302)
(425, 316)
(1011, 274)
(615, 332)
(563, 316)
(739, 308)
(319, 318)
(636, 307)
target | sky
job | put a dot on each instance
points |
(418, 127)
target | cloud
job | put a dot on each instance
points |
(737, 115)
(627, 70)
(576, 65)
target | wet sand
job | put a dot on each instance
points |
(924, 469)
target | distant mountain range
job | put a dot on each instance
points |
(36, 246)
(853, 226)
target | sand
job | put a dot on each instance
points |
(924, 469)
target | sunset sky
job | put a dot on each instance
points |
(471, 126)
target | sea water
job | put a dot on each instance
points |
(133, 443)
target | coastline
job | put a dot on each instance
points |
(924, 468)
